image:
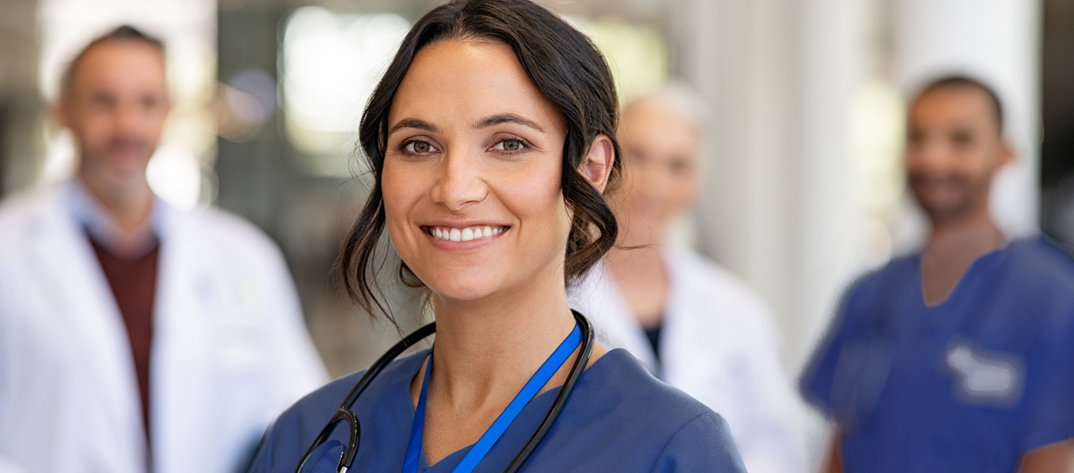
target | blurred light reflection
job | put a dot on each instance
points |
(330, 65)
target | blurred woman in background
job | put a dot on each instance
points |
(692, 323)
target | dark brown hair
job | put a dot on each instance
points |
(963, 82)
(564, 66)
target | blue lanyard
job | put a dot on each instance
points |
(485, 443)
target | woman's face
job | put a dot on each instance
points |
(472, 173)
(660, 159)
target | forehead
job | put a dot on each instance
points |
(653, 123)
(119, 63)
(966, 105)
(458, 78)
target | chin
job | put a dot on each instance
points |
(461, 289)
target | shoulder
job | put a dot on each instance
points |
(321, 403)
(900, 269)
(721, 294)
(25, 208)
(691, 448)
(707, 272)
(671, 425)
(1043, 259)
(662, 409)
(219, 239)
(222, 228)
(877, 286)
(626, 383)
(1040, 278)
(295, 429)
(29, 219)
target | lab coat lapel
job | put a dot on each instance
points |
(621, 327)
(682, 322)
(180, 350)
(64, 261)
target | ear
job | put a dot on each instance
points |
(61, 112)
(1007, 154)
(597, 166)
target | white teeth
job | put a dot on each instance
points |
(465, 234)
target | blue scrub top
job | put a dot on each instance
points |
(969, 385)
(619, 418)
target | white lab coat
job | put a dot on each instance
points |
(230, 350)
(719, 345)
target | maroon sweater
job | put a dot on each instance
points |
(134, 283)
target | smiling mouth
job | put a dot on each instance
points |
(464, 234)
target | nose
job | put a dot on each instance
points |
(129, 119)
(930, 155)
(649, 181)
(460, 183)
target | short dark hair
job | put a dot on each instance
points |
(120, 33)
(563, 64)
(961, 82)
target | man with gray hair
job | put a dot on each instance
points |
(134, 336)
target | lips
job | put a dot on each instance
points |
(464, 234)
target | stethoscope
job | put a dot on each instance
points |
(344, 413)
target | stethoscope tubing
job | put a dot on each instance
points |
(344, 413)
(561, 399)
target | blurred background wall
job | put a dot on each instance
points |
(803, 185)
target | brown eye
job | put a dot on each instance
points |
(962, 137)
(679, 166)
(509, 145)
(419, 147)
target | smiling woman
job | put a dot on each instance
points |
(491, 139)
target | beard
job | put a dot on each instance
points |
(949, 197)
(120, 163)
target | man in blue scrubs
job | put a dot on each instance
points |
(960, 358)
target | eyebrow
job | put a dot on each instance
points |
(485, 123)
(414, 123)
(507, 118)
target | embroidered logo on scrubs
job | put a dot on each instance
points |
(985, 377)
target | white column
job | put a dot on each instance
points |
(999, 42)
(778, 203)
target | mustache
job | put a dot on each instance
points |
(128, 143)
(922, 178)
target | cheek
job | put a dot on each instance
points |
(972, 164)
(683, 189)
(399, 194)
(538, 198)
(93, 129)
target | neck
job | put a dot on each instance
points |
(129, 205)
(642, 278)
(952, 249)
(971, 236)
(486, 350)
(633, 256)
